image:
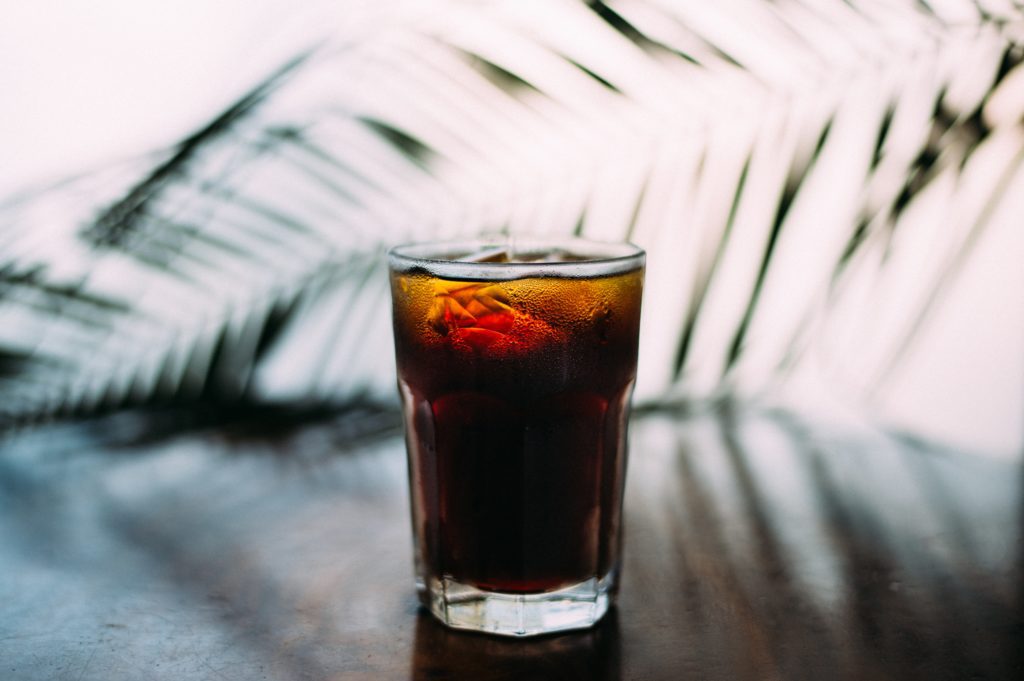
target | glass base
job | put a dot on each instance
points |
(461, 606)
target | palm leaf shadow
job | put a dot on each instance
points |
(265, 218)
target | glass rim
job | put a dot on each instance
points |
(603, 258)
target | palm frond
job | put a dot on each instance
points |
(771, 157)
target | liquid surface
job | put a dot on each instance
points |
(503, 254)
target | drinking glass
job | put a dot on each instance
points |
(516, 362)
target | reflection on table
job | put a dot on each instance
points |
(758, 546)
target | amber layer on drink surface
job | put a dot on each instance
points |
(516, 396)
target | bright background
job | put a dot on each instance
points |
(88, 84)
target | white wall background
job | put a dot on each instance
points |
(85, 84)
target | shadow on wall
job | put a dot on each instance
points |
(817, 239)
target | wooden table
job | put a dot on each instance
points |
(758, 547)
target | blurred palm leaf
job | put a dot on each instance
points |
(781, 162)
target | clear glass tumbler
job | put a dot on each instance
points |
(516, 366)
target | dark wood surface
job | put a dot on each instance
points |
(757, 547)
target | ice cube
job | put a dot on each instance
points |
(493, 254)
(472, 307)
(480, 338)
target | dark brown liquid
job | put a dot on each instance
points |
(516, 395)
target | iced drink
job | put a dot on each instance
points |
(515, 370)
